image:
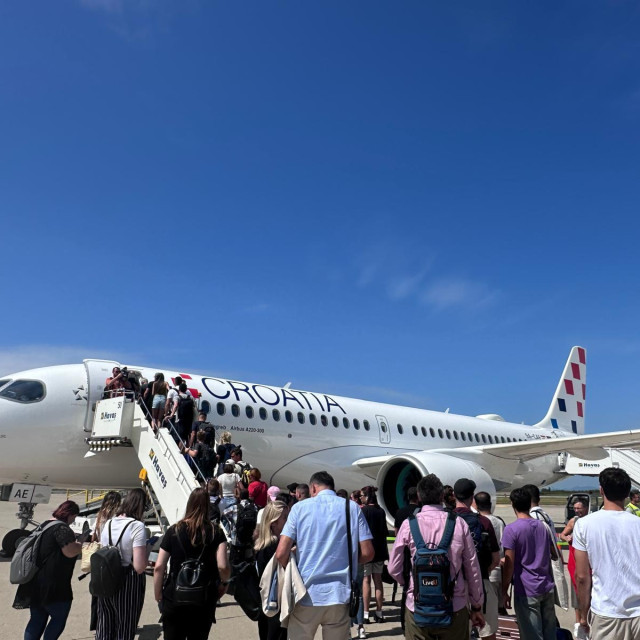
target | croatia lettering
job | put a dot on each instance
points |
(272, 396)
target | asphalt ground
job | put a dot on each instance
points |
(231, 624)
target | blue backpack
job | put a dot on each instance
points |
(432, 582)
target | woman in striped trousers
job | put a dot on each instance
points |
(118, 615)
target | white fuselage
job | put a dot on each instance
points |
(282, 432)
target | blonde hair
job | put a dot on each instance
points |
(271, 513)
(225, 438)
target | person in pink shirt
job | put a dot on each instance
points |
(468, 595)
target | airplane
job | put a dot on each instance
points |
(47, 416)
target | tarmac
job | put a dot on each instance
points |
(231, 621)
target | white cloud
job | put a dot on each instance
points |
(446, 293)
(402, 287)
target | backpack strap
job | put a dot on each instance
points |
(126, 526)
(415, 533)
(186, 555)
(447, 536)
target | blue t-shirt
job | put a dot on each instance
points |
(318, 526)
(531, 542)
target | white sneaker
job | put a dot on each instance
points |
(362, 633)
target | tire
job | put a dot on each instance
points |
(11, 540)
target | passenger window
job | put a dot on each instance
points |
(345, 422)
(470, 437)
(484, 438)
(288, 416)
(365, 424)
(324, 421)
(249, 412)
(300, 417)
(490, 439)
(448, 434)
(312, 418)
(235, 410)
(356, 424)
(400, 429)
(477, 438)
(463, 435)
(432, 432)
(335, 421)
(455, 434)
(221, 409)
(424, 431)
(263, 413)
(440, 434)
(502, 439)
(415, 430)
(23, 391)
(276, 415)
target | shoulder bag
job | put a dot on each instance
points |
(354, 598)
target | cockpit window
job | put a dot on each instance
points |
(3, 382)
(24, 391)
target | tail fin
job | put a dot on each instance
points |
(566, 411)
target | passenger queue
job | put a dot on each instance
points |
(312, 557)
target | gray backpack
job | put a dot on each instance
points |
(24, 562)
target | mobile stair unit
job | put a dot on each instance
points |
(122, 422)
(627, 459)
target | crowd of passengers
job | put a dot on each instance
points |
(245, 540)
(246, 535)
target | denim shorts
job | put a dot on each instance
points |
(158, 401)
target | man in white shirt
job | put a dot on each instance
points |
(492, 585)
(608, 582)
(537, 512)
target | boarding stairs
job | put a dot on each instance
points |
(123, 421)
(627, 459)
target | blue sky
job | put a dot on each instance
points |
(420, 203)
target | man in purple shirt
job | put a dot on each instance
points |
(528, 549)
(464, 565)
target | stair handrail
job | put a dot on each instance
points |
(172, 429)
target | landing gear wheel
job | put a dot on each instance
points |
(11, 540)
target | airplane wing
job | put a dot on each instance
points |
(589, 447)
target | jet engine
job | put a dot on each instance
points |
(403, 471)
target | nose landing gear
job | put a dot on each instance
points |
(13, 538)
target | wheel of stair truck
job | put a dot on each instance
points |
(11, 540)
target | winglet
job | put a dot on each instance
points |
(566, 411)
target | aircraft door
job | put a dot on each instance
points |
(97, 373)
(384, 430)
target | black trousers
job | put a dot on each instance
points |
(269, 628)
(189, 623)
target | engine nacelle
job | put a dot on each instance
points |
(403, 471)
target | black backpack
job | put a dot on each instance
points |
(107, 572)
(207, 459)
(246, 521)
(432, 582)
(480, 539)
(209, 434)
(185, 409)
(193, 580)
